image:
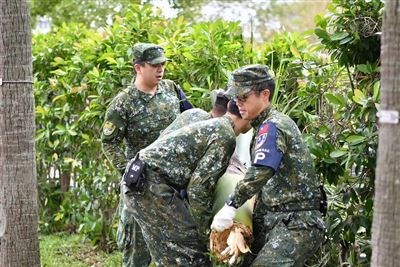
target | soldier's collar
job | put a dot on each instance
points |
(143, 95)
(261, 118)
(230, 120)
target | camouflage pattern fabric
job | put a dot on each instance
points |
(187, 117)
(287, 223)
(134, 120)
(192, 157)
(139, 118)
(148, 53)
(243, 79)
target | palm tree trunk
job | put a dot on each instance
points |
(19, 244)
(385, 228)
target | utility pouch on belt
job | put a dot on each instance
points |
(134, 177)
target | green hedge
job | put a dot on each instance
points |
(78, 71)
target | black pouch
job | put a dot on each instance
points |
(323, 207)
(134, 177)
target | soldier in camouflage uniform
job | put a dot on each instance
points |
(134, 119)
(287, 222)
(192, 157)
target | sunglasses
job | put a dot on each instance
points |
(244, 97)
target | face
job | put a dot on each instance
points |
(151, 74)
(251, 104)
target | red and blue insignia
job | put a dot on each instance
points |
(263, 129)
(261, 140)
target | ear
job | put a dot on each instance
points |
(137, 68)
(266, 93)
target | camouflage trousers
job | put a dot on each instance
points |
(285, 238)
(167, 226)
(130, 240)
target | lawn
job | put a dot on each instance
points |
(64, 250)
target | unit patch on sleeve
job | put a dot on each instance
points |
(108, 128)
(266, 150)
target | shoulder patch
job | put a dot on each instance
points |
(108, 128)
(266, 150)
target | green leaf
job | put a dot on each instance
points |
(346, 40)
(41, 110)
(188, 55)
(333, 100)
(377, 89)
(337, 153)
(72, 132)
(355, 139)
(364, 68)
(58, 61)
(339, 36)
(95, 72)
(111, 60)
(322, 34)
(58, 72)
(359, 97)
(295, 52)
(59, 97)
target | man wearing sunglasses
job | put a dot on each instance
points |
(134, 119)
(287, 224)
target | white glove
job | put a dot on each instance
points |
(224, 218)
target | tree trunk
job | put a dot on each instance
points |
(19, 244)
(386, 223)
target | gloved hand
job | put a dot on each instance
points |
(224, 218)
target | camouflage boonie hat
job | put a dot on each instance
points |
(149, 53)
(243, 79)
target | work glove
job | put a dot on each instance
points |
(224, 218)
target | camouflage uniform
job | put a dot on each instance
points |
(187, 117)
(287, 223)
(134, 120)
(192, 157)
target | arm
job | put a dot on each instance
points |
(254, 180)
(202, 184)
(269, 150)
(268, 154)
(113, 132)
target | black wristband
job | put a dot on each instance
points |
(229, 202)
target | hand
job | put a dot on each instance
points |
(224, 218)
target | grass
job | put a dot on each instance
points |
(64, 250)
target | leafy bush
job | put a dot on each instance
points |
(79, 70)
(77, 73)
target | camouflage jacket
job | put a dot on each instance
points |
(135, 119)
(187, 117)
(294, 182)
(194, 157)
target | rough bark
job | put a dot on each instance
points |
(386, 223)
(19, 244)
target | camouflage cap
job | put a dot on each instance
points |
(149, 53)
(243, 79)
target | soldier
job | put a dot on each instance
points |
(192, 157)
(134, 119)
(287, 224)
